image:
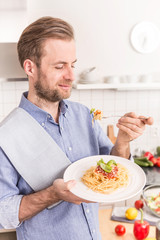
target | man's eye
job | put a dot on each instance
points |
(73, 66)
(59, 67)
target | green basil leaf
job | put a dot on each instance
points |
(111, 162)
(92, 110)
(100, 161)
(105, 167)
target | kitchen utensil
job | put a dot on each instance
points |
(112, 79)
(110, 133)
(90, 69)
(142, 118)
(88, 76)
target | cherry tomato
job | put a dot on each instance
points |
(153, 160)
(158, 162)
(148, 155)
(139, 204)
(120, 230)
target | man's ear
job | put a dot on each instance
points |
(28, 66)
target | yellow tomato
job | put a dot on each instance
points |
(131, 213)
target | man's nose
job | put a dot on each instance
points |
(70, 74)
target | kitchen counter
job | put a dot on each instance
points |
(107, 227)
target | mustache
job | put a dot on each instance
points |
(66, 82)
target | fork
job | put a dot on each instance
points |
(123, 116)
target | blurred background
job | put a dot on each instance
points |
(110, 38)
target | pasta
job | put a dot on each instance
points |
(100, 181)
(97, 115)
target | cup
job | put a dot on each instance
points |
(158, 230)
(132, 78)
(112, 79)
(146, 78)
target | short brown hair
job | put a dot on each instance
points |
(32, 38)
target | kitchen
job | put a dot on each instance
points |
(103, 38)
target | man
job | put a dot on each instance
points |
(47, 53)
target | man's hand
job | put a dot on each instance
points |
(62, 191)
(34, 203)
(132, 126)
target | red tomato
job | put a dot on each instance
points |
(157, 210)
(139, 204)
(148, 155)
(158, 162)
(120, 230)
(153, 160)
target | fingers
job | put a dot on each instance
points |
(145, 120)
(131, 115)
(133, 123)
(71, 197)
(129, 128)
(148, 121)
(70, 184)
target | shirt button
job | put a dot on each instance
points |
(70, 149)
(62, 128)
(42, 124)
(87, 211)
(48, 116)
(93, 230)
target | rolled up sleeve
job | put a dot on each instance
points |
(9, 212)
(10, 196)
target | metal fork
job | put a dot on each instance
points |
(123, 116)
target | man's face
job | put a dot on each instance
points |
(55, 75)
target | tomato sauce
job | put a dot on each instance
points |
(112, 174)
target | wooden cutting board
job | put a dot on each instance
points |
(110, 133)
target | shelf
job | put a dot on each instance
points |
(120, 86)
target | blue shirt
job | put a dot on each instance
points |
(78, 139)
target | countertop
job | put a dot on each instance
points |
(107, 227)
(152, 175)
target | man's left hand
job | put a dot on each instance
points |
(132, 126)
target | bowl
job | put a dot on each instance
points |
(151, 196)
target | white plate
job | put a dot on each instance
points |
(137, 179)
(145, 37)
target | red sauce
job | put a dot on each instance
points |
(112, 174)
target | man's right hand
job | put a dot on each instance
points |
(34, 203)
(62, 191)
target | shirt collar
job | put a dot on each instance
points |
(37, 112)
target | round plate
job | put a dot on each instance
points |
(145, 37)
(137, 179)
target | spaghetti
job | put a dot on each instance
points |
(97, 115)
(106, 182)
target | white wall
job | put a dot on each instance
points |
(102, 29)
(102, 32)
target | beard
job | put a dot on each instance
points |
(44, 92)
